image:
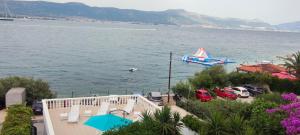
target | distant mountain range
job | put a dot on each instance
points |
(169, 17)
(294, 26)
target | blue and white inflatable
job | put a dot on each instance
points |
(202, 57)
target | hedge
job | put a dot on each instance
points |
(17, 121)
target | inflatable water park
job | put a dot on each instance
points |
(204, 58)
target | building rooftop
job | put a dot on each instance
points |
(268, 68)
(17, 90)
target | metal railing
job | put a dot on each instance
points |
(49, 104)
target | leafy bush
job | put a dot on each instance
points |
(233, 117)
(262, 122)
(192, 122)
(17, 121)
(237, 78)
(215, 124)
(203, 109)
(201, 80)
(236, 124)
(35, 89)
(210, 78)
(284, 85)
(272, 97)
(183, 89)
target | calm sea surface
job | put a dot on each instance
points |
(94, 57)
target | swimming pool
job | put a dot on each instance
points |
(107, 122)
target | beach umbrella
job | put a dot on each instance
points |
(107, 122)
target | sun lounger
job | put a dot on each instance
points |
(87, 113)
(63, 116)
(103, 108)
(129, 107)
(138, 116)
(73, 115)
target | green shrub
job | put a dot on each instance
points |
(239, 118)
(201, 80)
(262, 122)
(237, 78)
(183, 89)
(272, 97)
(236, 124)
(284, 85)
(215, 124)
(17, 121)
(202, 109)
(192, 122)
(35, 89)
(210, 78)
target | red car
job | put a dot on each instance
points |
(225, 93)
(203, 95)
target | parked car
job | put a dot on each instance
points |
(37, 107)
(203, 95)
(225, 93)
(253, 90)
(241, 92)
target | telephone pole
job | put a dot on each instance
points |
(169, 84)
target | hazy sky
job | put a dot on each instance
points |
(271, 11)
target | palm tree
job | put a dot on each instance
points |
(292, 63)
(236, 125)
(214, 124)
(166, 122)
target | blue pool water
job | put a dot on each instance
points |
(107, 122)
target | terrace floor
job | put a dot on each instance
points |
(2, 117)
(62, 127)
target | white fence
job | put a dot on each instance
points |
(49, 104)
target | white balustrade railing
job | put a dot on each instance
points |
(47, 120)
(49, 104)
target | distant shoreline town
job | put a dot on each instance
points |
(77, 19)
(178, 17)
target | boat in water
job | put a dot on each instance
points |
(6, 19)
(133, 69)
(5, 14)
(204, 58)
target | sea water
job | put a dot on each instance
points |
(94, 57)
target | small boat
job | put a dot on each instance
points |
(202, 57)
(7, 15)
(133, 69)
